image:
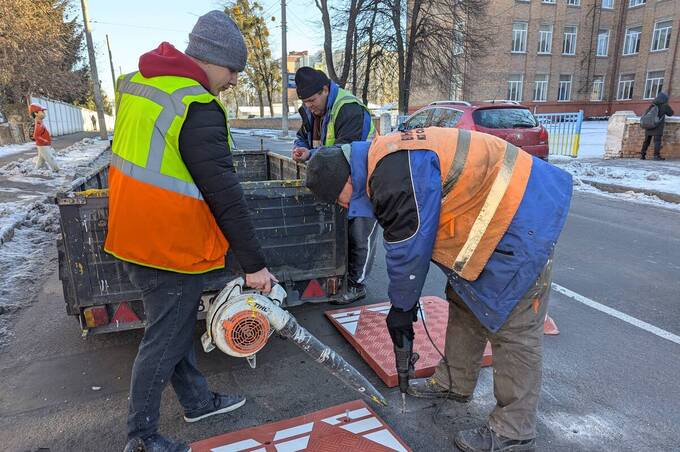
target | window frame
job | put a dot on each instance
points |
(576, 3)
(636, 3)
(599, 80)
(630, 83)
(524, 34)
(559, 87)
(606, 50)
(541, 34)
(626, 40)
(549, 2)
(519, 91)
(669, 34)
(545, 85)
(570, 34)
(648, 85)
(608, 7)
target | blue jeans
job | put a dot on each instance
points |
(166, 352)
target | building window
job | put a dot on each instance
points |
(634, 3)
(653, 84)
(564, 91)
(541, 88)
(545, 33)
(569, 46)
(661, 39)
(631, 44)
(515, 83)
(574, 2)
(626, 83)
(549, 2)
(607, 4)
(602, 43)
(519, 37)
(597, 93)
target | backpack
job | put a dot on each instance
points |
(651, 118)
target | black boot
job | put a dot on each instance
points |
(642, 157)
(658, 157)
(354, 292)
(483, 439)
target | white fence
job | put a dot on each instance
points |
(63, 118)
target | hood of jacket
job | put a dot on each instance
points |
(167, 60)
(661, 99)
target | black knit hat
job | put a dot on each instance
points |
(309, 81)
(327, 173)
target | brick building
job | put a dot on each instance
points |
(563, 55)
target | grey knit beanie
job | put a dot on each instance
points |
(217, 39)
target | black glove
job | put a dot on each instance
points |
(400, 324)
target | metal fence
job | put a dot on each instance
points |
(63, 118)
(564, 131)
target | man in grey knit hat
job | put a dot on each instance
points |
(169, 272)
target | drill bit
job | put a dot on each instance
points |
(403, 403)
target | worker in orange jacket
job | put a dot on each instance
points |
(43, 140)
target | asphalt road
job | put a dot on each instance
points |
(609, 384)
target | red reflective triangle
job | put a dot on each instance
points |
(313, 290)
(124, 314)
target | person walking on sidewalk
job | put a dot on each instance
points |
(488, 215)
(43, 140)
(333, 116)
(175, 208)
(656, 125)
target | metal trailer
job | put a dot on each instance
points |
(304, 241)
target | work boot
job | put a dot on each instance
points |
(429, 388)
(155, 443)
(483, 439)
(221, 403)
(658, 157)
(354, 292)
(643, 157)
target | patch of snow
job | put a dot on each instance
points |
(29, 222)
(631, 196)
(642, 178)
(11, 149)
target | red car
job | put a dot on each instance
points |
(505, 119)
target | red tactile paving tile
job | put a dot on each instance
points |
(364, 327)
(352, 426)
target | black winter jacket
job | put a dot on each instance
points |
(349, 126)
(661, 101)
(205, 151)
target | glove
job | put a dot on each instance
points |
(400, 324)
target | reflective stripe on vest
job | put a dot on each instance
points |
(475, 209)
(343, 98)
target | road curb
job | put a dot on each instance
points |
(615, 188)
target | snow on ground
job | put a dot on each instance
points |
(15, 148)
(631, 196)
(29, 221)
(631, 173)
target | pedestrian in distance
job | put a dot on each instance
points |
(333, 116)
(175, 208)
(488, 215)
(653, 121)
(43, 140)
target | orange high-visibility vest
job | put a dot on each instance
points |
(157, 215)
(483, 182)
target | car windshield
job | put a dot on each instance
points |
(505, 118)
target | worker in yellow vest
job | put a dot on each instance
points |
(332, 115)
(488, 215)
(175, 208)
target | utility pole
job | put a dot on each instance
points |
(113, 72)
(284, 73)
(96, 90)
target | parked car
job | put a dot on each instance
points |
(505, 119)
